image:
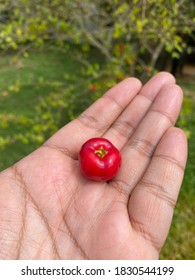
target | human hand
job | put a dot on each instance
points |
(48, 210)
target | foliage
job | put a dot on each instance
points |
(111, 39)
(131, 35)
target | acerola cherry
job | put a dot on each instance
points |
(99, 159)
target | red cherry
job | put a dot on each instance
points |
(99, 159)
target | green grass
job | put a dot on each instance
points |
(31, 74)
(23, 82)
(35, 77)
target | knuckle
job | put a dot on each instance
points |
(159, 191)
(91, 122)
(142, 146)
(123, 128)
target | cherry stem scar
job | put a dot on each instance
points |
(101, 152)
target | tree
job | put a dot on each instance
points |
(129, 35)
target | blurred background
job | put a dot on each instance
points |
(58, 56)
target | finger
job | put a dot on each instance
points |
(97, 118)
(152, 202)
(124, 126)
(137, 153)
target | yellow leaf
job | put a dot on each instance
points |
(18, 31)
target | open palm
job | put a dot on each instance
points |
(48, 210)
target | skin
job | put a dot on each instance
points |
(48, 210)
